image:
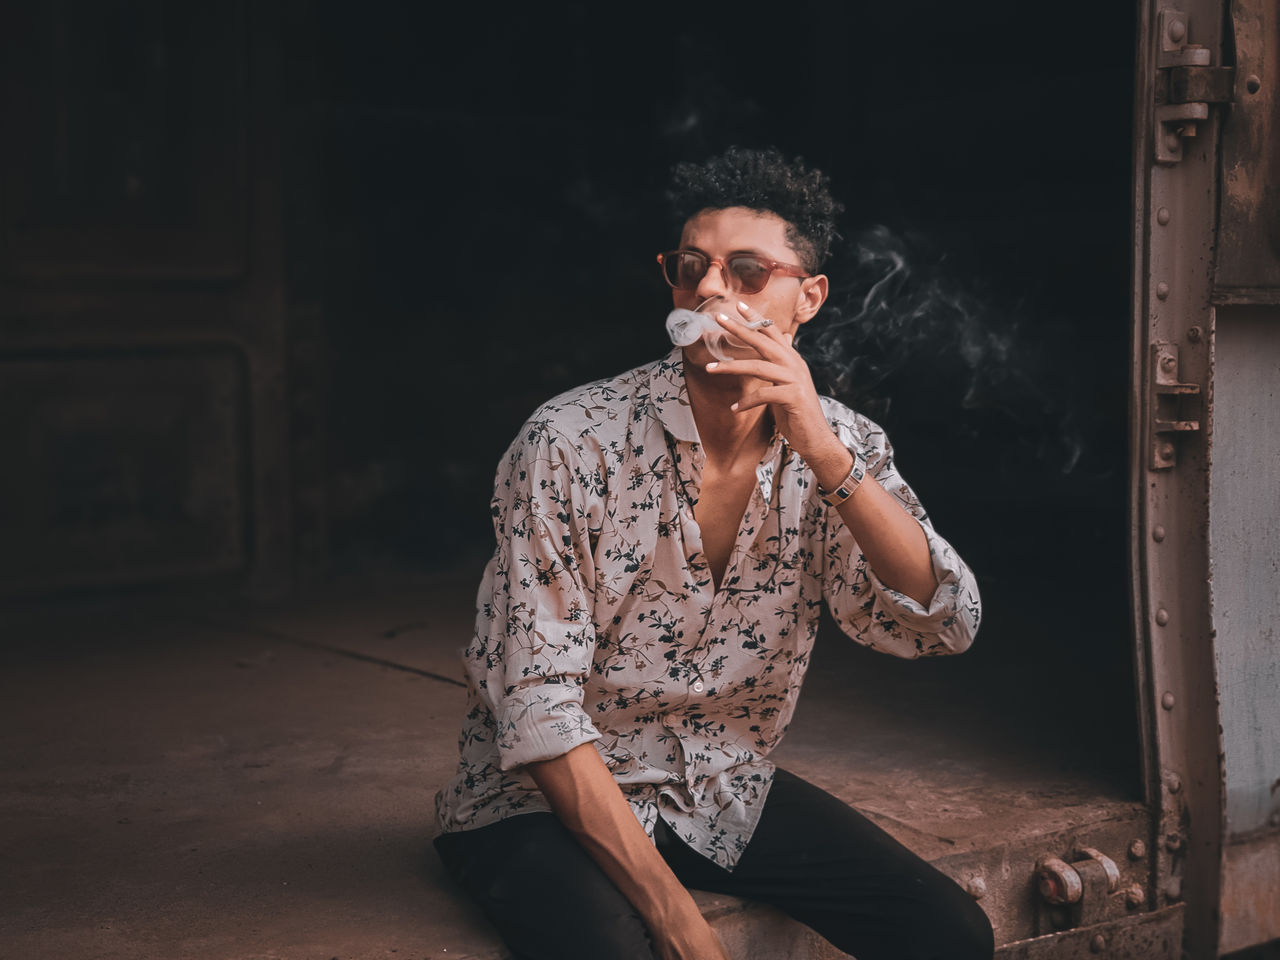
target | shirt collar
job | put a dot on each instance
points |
(670, 397)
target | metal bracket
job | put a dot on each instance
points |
(1082, 887)
(1167, 399)
(1189, 85)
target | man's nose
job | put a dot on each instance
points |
(715, 282)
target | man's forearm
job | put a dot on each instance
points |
(890, 538)
(584, 795)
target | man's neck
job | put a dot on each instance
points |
(727, 436)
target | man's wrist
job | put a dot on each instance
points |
(835, 493)
(831, 464)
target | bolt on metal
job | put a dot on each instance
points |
(1137, 849)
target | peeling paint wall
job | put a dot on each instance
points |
(1244, 539)
(1244, 523)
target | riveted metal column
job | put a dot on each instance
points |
(1174, 205)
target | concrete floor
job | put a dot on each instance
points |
(183, 778)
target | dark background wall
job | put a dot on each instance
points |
(304, 268)
(493, 197)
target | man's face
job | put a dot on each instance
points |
(787, 301)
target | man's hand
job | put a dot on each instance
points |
(694, 940)
(888, 536)
(789, 391)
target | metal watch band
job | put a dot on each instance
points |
(833, 498)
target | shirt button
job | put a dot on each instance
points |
(697, 686)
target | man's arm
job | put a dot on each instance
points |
(889, 537)
(584, 795)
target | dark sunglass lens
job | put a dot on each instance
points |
(686, 270)
(752, 273)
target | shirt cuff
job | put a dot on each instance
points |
(541, 723)
(952, 612)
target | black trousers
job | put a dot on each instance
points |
(811, 856)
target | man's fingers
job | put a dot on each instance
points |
(764, 369)
(758, 398)
(768, 327)
(760, 340)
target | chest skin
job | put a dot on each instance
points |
(722, 501)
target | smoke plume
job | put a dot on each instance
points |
(899, 322)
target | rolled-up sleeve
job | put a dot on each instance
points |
(864, 607)
(535, 637)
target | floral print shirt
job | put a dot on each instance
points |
(598, 620)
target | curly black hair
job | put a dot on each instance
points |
(762, 180)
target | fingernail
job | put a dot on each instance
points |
(734, 406)
(713, 364)
(721, 316)
(742, 306)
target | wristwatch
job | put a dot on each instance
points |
(833, 498)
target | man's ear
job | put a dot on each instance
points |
(813, 294)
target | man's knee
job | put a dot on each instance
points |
(961, 931)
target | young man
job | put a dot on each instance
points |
(665, 540)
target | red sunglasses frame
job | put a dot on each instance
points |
(774, 266)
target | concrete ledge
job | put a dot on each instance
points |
(186, 780)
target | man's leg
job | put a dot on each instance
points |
(826, 865)
(547, 898)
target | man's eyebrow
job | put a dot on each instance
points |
(753, 251)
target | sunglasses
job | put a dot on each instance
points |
(743, 272)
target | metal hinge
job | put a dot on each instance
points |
(1186, 86)
(1169, 398)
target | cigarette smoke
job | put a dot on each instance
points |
(897, 313)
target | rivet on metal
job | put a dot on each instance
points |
(1169, 364)
(1173, 142)
(1252, 83)
(1173, 842)
(1194, 334)
(1177, 31)
(1173, 889)
(1157, 534)
(1098, 943)
(1162, 617)
(1162, 216)
(976, 887)
(1135, 896)
(1137, 849)
(1167, 700)
(1174, 783)
(1162, 290)
(1166, 453)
